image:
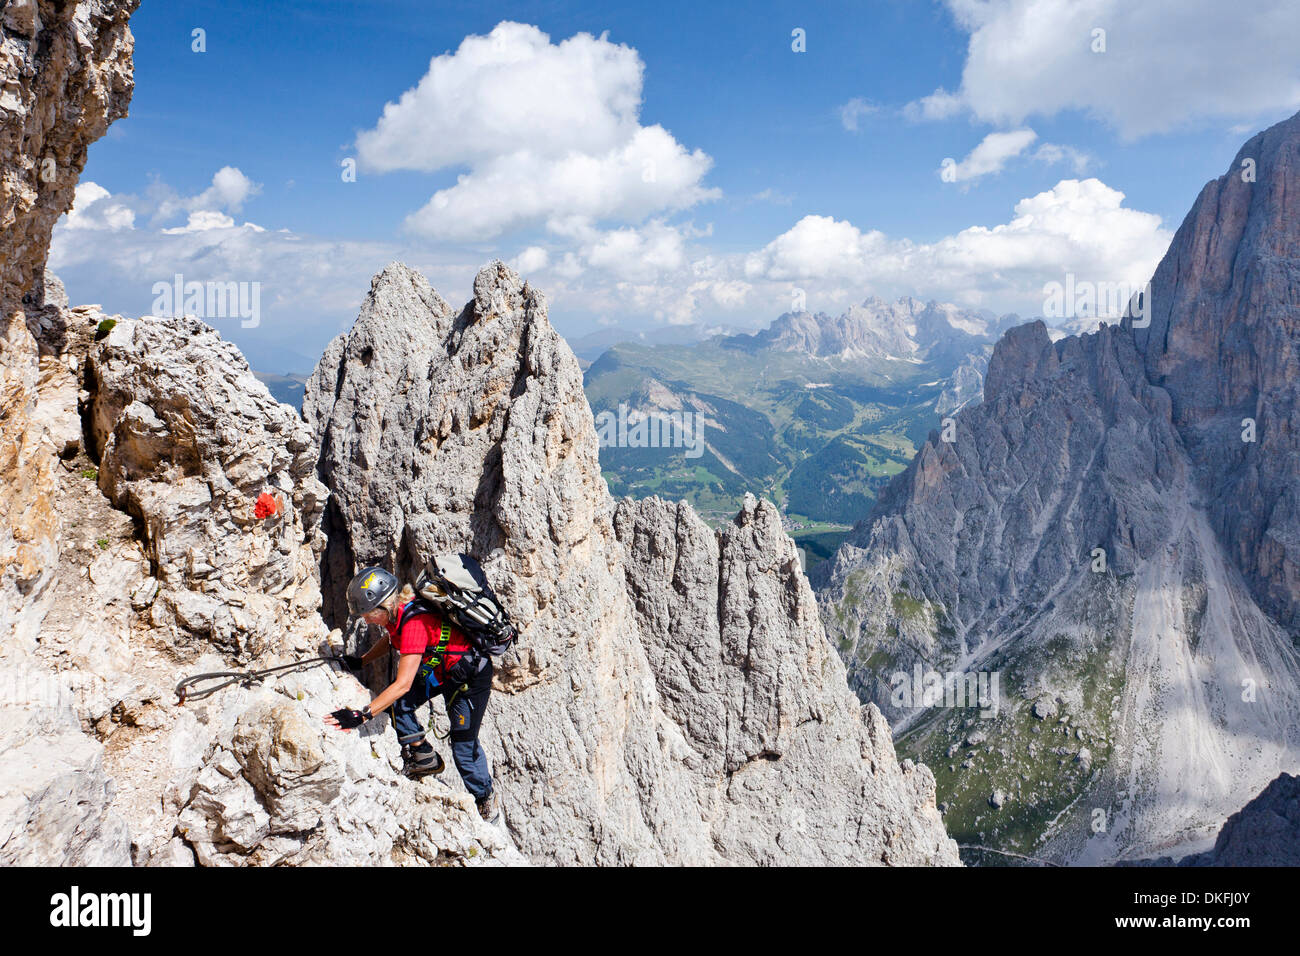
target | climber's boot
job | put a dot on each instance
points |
(421, 760)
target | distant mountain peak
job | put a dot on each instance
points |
(908, 330)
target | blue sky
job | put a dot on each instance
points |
(701, 170)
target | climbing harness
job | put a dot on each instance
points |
(187, 689)
(426, 672)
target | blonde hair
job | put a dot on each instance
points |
(396, 599)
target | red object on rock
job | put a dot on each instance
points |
(267, 505)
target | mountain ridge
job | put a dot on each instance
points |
(1087, 530)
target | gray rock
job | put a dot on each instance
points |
(1100, 503)
(469, 431)
(876, 329)
(54, 292)
(760, 695)
(188, 441)
(1224, 343)
(54, 794)
(1265, 832)
(65, 74)
(176, 853)
(281, 756)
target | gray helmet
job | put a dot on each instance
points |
(370, 588)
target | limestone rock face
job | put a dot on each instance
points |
(266, 785)
(469, 431)
(789, 767)
(66, 74)
(1224, 343)
(1070, 438)
(54, 793)
(1113, 528)
(1265, 832)
(28, 527)
(189, 441)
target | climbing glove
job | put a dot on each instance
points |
(349, 718)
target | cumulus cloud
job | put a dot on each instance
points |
(624, 254)
(531, 259)
(1054, 153)
(202, 220)
(1158, 65)
(938, 105)
(1080, 226)
(638, 254)
(816, 247)
(649, 173)
(989, 156)
(854, 110)
(94, 208)
(653, 271)
(544, 129)
(230, 189)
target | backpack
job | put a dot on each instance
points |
(456, 584)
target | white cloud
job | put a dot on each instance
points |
(650, 173)
(1165, 63)
(545, 130)
(312, 286)
(989, 156)
(773, 196)
(94, 208)
(938, 105)
(638, 254)
(854, 110)
(1077, 226)
(1054, 153)
(202, 220)
(505, 89)
(817, 247)
(532, 259)
(730, 294)
(230, 189)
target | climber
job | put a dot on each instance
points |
(435, 657)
